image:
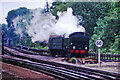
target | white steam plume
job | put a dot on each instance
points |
(67, 23)
(43, 25)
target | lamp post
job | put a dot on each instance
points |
(2, 40)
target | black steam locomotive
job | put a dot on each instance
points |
(77, 45)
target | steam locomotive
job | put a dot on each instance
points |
(77, 45)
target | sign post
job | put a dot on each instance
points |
(99, 44)
(99, 57)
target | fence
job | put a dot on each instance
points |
(106, 57)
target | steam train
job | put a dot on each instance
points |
(77, 45)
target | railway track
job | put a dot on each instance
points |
(40, 52)
(61, 71)
(49, 69)
(31, 51)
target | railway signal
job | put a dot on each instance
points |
(99, 44)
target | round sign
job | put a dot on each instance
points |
(99, 43)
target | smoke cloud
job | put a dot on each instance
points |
(43, 25)
(67, 23)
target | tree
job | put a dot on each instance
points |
(90, 11)
(14, 13)
(58, 6)
(24, 16)
(108, 29)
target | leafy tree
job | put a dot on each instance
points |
(58, 6)
(109, 31)
(90, 11)
(14, 13)
(8, 31)
(25, 17)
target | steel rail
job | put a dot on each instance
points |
(59, 73)
(59, 70)
(40, 50)
(104, 74)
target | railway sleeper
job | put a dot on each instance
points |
(90, 71)
(49, 69)
(64, 66)
(68, 73)
(90, 77)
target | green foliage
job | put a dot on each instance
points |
(58, 6)
(24, 20)
(108, 29)
(73, 60)
(90, 11)
(14, 13)
(8, 31)
(103, 50)
(37, 45)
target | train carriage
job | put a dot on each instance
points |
(56, 46)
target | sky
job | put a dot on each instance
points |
(8, 5)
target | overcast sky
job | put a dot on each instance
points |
(8, 5)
